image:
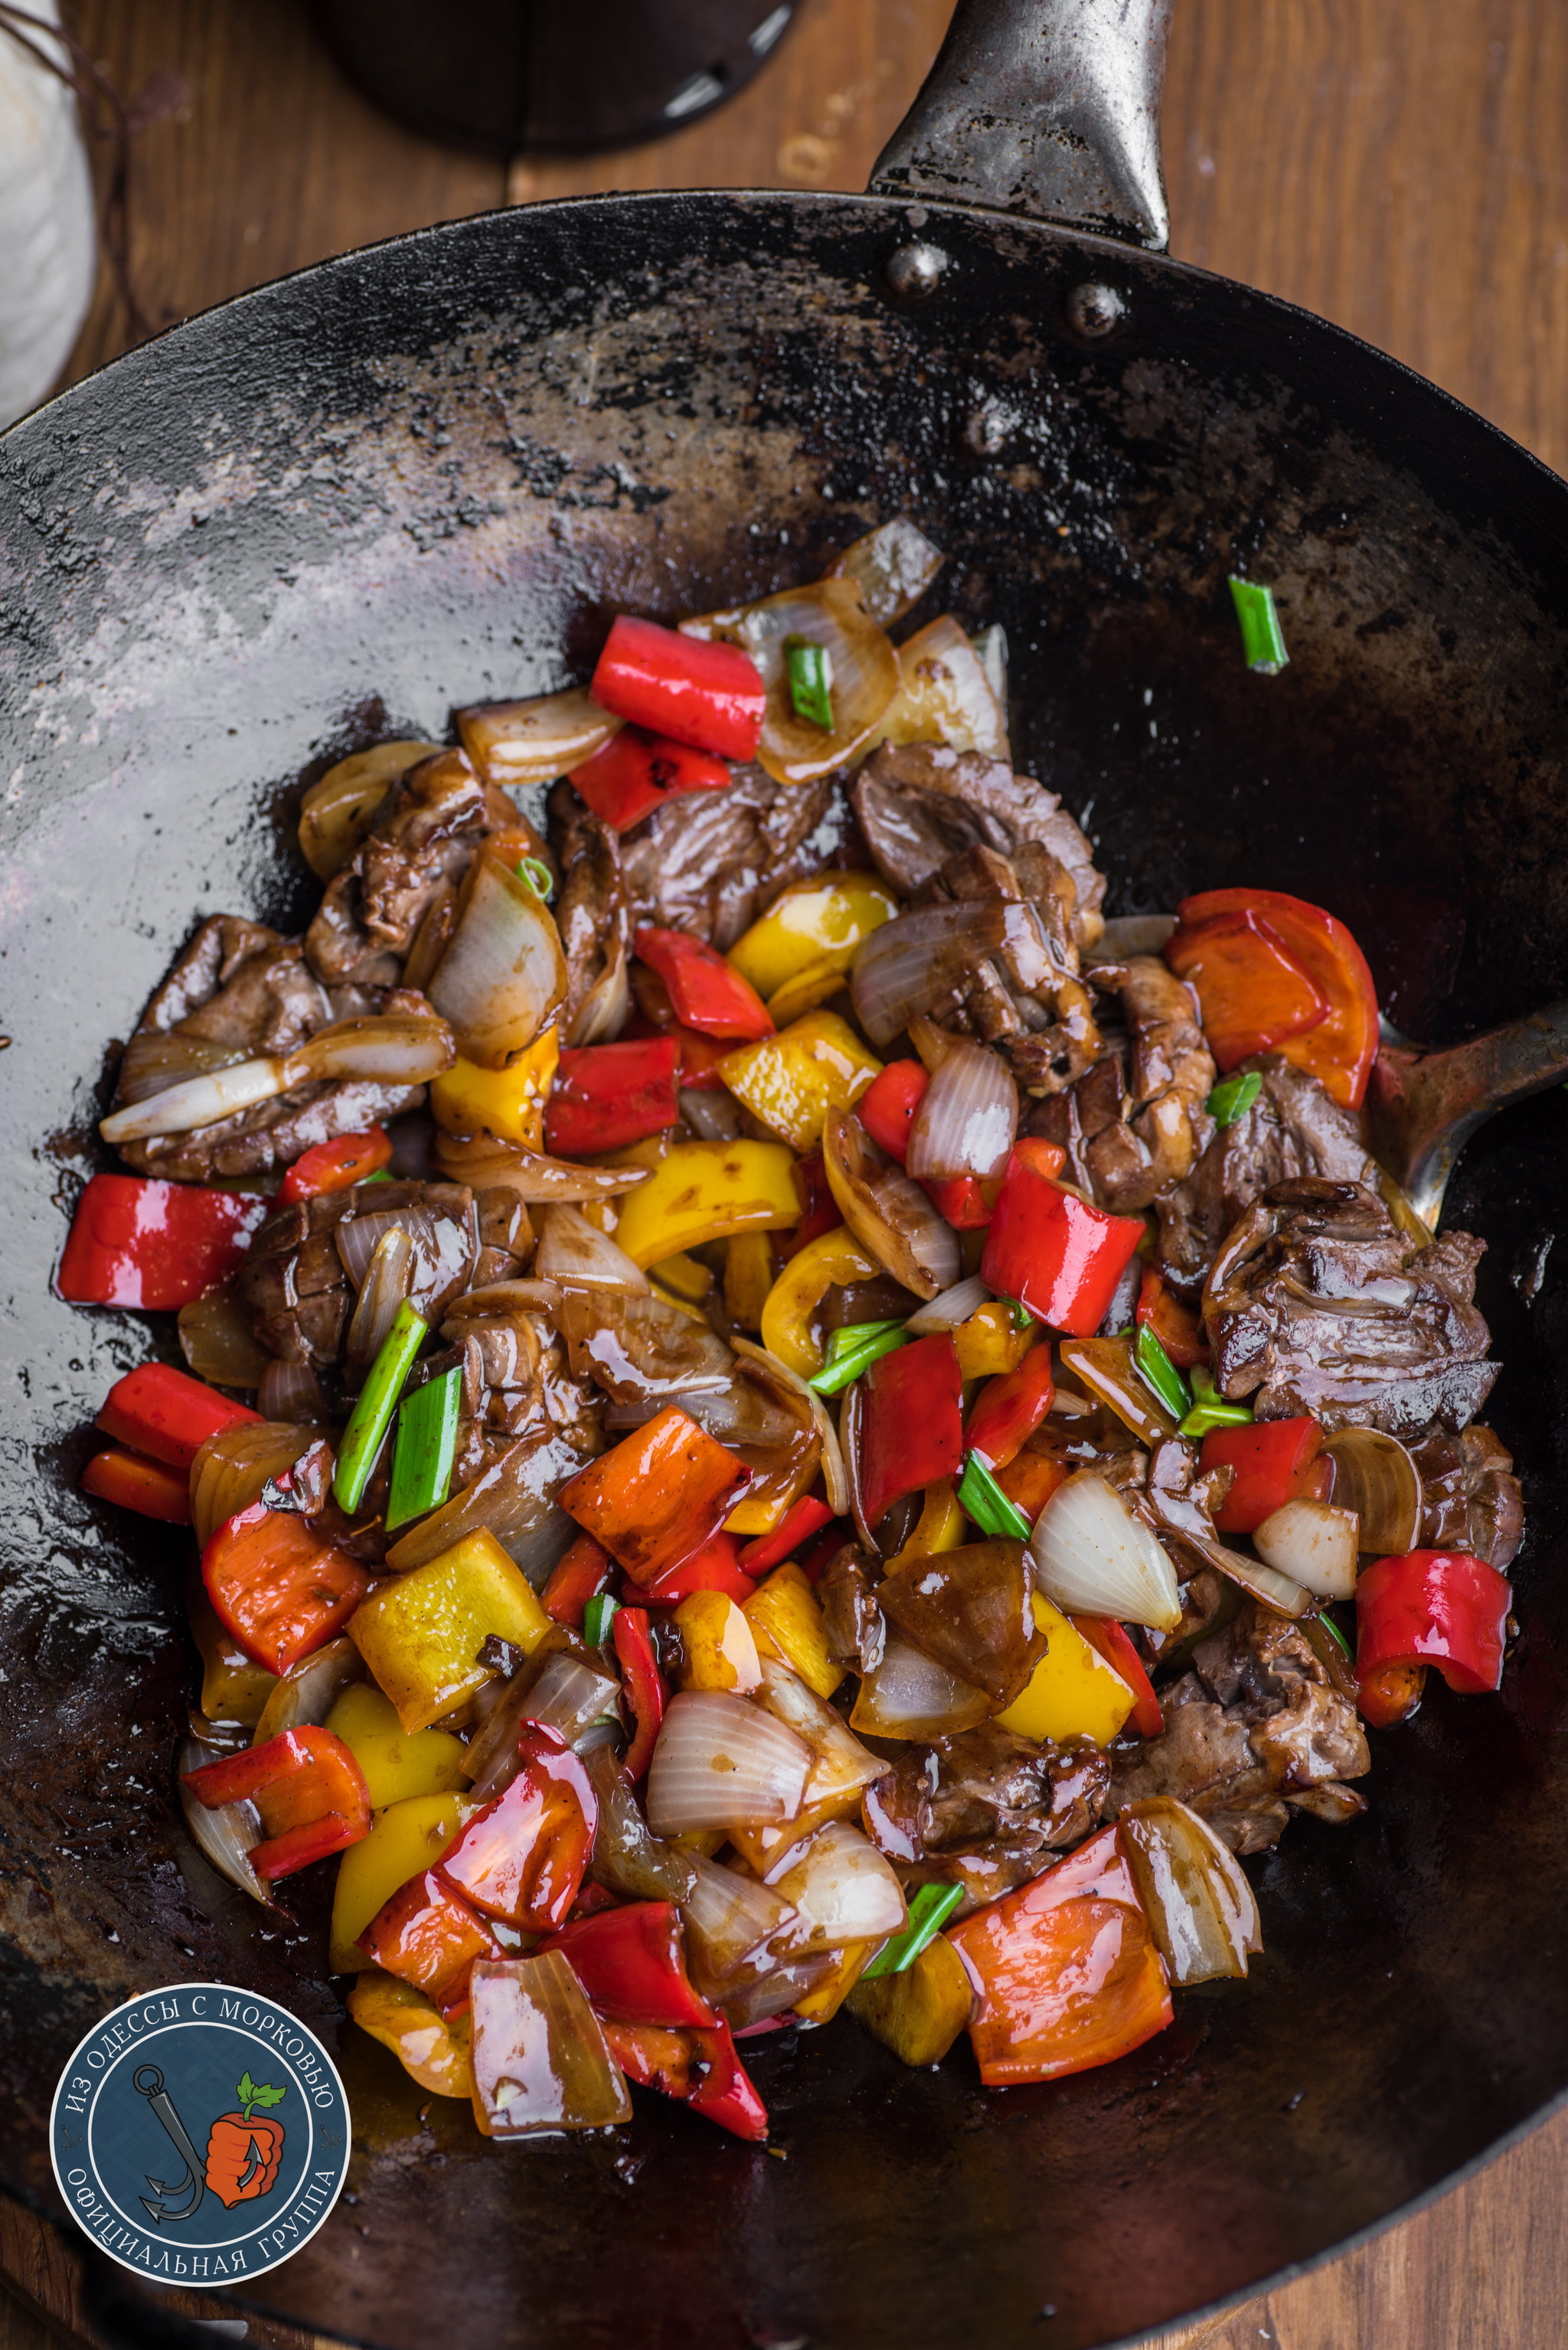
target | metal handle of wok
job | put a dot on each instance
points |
(1422, 1108)
(1048, 108)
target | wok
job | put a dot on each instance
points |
(427, 473)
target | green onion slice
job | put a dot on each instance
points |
(1022, 1317)
(1210, 1410)
(980, 1497)
(810, 681)
(854, 1349)
(1232, 1097)
(372, 1415)
(597, 1619)
(1332, 1629)
(1157, 1371)
(426, 1449)
(381, 1175)
(1261, 639)
(929, 1911)
(538, 876)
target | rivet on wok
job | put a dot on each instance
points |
(1094, 311)
(915, 271)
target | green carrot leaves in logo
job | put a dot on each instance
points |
(249, 2095)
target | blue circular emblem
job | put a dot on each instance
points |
(200, 2133)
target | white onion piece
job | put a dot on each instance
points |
(601, 1015)
(217, 1342)
(577, 1255)
(1374, 1476)
(844, 1890)
(1200, 1906)
(945, 695)
(771, 1991)
(911, 1695)
(504, 973)
(232, 1468)
(565, 1694)
(335, 812)
(155, 1059)
(953, 1307)
(227, 1835)
(1093, 1557)
(923, 960)
(307, 1692)
(1131, 934)
(990, 651)
(835, 1478)
(864, 671)
(291, 1391)
(887, 1210)
(892, 566)
(722, 1762)
(536, 1550)
(712, 1116)
(967, 1121)
(1313, 1542)
(484, 1161)
(357, 1238)
(500, 1300)
(533, 742)
(728, 1917)
(393, 1050)
(388, 1281)
(840, 1764)
(199, 1101)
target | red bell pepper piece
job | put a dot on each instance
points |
(964, 1201)
(605, 1097)
(887, 1107)
(701, 2067)
(1176, 1325)
(1275, 1462)
(806, 1517)
(1113, 1641)
(582, 1575)
(634, 772)
(643, 1684)
(659, 1495)
(654, 2056)
(522, 1858)
(1437, 1607)
(134, 1241)
(167, 1414)
(1339, 1045)
(1251, 992)
(149, 1487)
(698, 1071)
(1030, 1479)
(429, 1936)
(279, 1588)
(826, 1545)
(715, 1568)
(911, 1422)
(708, 993)
(1011, 1407)
(631, 1961)
(336, 1166)
(1065, 1971)
(1390, 1695)
(818, 1208)
(696, 690)
(307, 1787)
(1053, 1252)
(726, 2094)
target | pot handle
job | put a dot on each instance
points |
(1049, 108)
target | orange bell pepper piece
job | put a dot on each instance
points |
(659, 1495)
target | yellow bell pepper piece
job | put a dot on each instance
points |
(833, 1258)
(987, 1343)
(1072, 1693)
(786, 1623)
(235, 1690)
(510, 1102)
(421, 1633)
(408, 1838)
(806, 990)
(439, 2056)
(849, 1964)
(682, 1277)
(812, 921)
(748, 1277)
(941, 1525)
(920, 2013)
(395, 1765)
(791, 1080)
(720, 1647)
(704, 1192)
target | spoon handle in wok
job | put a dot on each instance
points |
(1424, 1107)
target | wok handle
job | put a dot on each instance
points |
(1422, 1108)
(1049, 108)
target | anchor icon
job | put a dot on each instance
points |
(147, 2082)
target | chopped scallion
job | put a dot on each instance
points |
(1157, 1372)
(381, 1175)
(426, 1449)
(929, 1911)
(980, 1497)
(537, 875)
(1022, 1317)
(854, 1349)
(1232, 1097)
(810, 681)
(1261, 639)
(1210, 1410)
(1332, 1629)
(372, 1415)
(596, 1620)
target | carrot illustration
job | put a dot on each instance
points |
(244, 2153)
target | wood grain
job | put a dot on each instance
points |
(1399, 166)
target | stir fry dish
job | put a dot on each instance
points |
(778, 1416)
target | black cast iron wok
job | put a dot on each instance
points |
(408, 479)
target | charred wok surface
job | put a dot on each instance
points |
(985, 1809)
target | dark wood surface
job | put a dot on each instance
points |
(1401, 167)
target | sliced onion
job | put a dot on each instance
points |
(773, 1992)
(1200, 1906)
(840, 1764)
(1093, 1557)
(541, 2062)
(865, 669)
(601, 1014)
(909, 1695)
(967, 1121)
(357, 1238)
(504, 973)
(538, 1548)
(395, 1049)
(953, 1307)
(336, 813)
(1131, 934)
(925, 961)
(722, 1762)
(217, 1340)
(887, 1210)
(1314, 1542)
(892, 566)
(562, 1691)
(990, 651)
(712, 1116)
(157, 1058)
(227, 1835)
(844, 1890)
(944, 695)
(1106, 1367)
(500, 1300)
(199, 1101)
(626, 1857)
(484, 1161)
(577, 1255)
(727, 1915)
(834, 1480)
(1376, 1477)
(291, 1391)
(389, 1278)
(1257, 1579)
(514, 1499)
(232, 1468)
(533, 742)
(310, 1690)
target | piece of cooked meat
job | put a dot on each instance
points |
(851, 1614)
(1470, 1499)
(594, 917)
(710, 862)
(1152, 1141)
(1030, 1003)
(1255, 1724)
(919, 803)
(1294, 1128)
(295, 1284)
(237, 992)
(1318, 1303)
(984, 1810)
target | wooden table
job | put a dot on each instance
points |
(1398, 165)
